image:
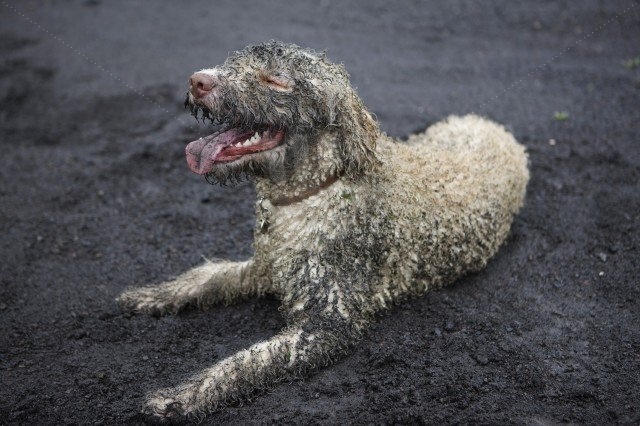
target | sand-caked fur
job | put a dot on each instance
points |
(349, 221)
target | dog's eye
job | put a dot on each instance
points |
(277, 81)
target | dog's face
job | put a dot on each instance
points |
(270, 101)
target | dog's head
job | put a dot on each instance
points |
(271, 103)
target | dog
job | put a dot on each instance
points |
(349, 221)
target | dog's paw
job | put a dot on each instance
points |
(147, 300)
(163, 408)
(170, 405)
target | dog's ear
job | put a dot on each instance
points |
(358, 135)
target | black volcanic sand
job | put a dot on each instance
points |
(96, 196)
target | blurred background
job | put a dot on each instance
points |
(95, 196)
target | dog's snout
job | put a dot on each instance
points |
(200, 84)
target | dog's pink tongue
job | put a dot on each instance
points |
(202, 153)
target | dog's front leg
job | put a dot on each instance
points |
(290, 353)
(213, 282)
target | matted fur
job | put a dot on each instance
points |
(404, 218)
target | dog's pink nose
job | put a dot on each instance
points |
(200, 84)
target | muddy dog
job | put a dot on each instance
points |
(349, 221)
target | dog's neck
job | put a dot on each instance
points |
(320, 167)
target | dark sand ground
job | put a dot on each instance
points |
(96, 196)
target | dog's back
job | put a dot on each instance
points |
(452, 192)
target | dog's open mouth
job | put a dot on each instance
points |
(229, 145)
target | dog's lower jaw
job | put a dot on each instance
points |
(317, 161)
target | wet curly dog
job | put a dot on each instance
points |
(349, 221)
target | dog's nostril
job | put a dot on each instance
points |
(200, 84)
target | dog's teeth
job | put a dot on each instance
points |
(255, 138)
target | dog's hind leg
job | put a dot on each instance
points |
(205, 285)
(290, 353)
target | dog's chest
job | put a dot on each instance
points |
(287, 237)
(300, 226)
